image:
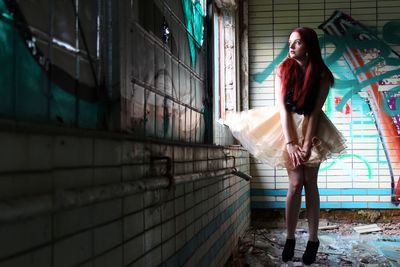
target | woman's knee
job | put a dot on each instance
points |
(311, 178)
(296, 185)
(311, 183)
(296, 180)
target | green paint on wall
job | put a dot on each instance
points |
(26, 91)
(195, 25)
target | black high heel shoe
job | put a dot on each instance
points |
(311, 252)
(288, 250)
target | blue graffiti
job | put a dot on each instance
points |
(351, 85)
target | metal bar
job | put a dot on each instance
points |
(8, 125)
(23, 208)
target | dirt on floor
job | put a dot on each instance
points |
(341, 244)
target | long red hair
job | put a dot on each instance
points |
(303, 82)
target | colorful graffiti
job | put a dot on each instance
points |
(32, 87)
(193, 12)
(373, 62)
(372, 83)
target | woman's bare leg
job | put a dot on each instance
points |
(312, 200)
(293, 200)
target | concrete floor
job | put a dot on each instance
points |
(340, 246)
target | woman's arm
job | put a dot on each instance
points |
(314, 116)
(289, 133)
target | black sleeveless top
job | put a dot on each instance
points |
(309, 102)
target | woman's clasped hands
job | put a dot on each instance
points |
(297, 154)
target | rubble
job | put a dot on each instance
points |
(371, 215)
(367, 228)
(328, 227)
(340, 245)
(390, 228)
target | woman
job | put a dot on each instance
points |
(297, 136)
(303, 82)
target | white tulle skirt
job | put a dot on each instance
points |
(259, 130)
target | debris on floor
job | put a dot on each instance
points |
(367, 228)
(329, 227)
(341, 245)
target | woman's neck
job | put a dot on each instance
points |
(302, 62)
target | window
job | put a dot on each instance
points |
(167, 69)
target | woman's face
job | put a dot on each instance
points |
(297, 48)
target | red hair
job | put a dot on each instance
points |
(303, 82)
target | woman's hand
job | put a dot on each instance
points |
(306, 153)
(306, 150)
(295, 154)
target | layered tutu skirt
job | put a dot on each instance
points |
(259, 130)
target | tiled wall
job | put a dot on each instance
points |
(74, 197)
(361, 104)
(62, 204)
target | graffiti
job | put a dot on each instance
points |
(372, 62)
(32, 87)
(346, 43)
(347, 109)
(352, 174)
(193, 12)
(371, 81)
(261, 76)
(342, 43)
